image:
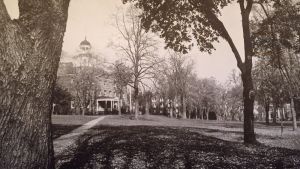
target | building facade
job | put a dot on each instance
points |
(92, 88)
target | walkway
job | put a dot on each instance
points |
(63, 142)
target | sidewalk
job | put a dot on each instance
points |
(63, 142)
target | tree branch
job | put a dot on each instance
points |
(249, 6)
(219, 26)
(263, 8)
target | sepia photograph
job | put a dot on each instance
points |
(149, 84)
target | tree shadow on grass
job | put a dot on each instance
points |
(59, 130)
(164, 147)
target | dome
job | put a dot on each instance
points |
(85, 45)
(85, 42)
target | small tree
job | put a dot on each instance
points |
(61, 98)
(122, 77)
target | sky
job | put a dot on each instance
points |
(93, 19)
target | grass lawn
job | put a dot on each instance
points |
(157, 142)
(71, 119)
(59, 129)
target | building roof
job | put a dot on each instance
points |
(102, 98)
(85, 42)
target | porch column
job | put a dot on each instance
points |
(105, 106)
(97, 105)
(111, 105)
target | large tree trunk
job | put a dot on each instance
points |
(30, 49)
(248, 94)
(246, 68)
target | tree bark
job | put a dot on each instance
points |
(249, 135)
(248, 92)
(30, 49)
(245, 67)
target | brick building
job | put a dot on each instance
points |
(92, 88)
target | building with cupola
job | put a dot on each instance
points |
(93, 90)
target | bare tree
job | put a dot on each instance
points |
(181, 69)
(172, 80)
(234, 96)
(138, 47)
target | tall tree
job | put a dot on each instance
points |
(193, 95)
(234, 95)
(269, 86)
(30, 50)
(181, 69)
(172, 79)
(84, 83)
(181, 21)
(278, 38)
(138, 47)
(209, 99)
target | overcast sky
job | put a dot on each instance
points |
(92, 18)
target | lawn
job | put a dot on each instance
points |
(59, 129)
(157, 142)
(71, 119)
